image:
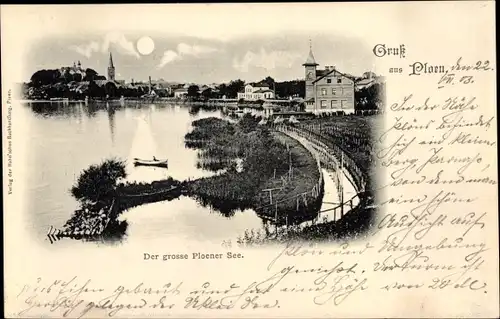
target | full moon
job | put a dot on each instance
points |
(145, 45)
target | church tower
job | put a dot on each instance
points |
(111, 69)
(310, 72)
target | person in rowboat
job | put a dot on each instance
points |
(154, 159)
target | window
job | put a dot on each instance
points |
(339, 80)
(323, 104)
(334, 104)
(343, 103)
(334, 91)
(323, 91)
(328, 80)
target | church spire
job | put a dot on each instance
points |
(110, 61)
(111, 68)
(310, 59)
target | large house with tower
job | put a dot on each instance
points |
(327, 90)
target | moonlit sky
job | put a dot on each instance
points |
(192, 59)
(214, 43)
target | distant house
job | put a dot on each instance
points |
(180, 93)
(167, 90)
(327, 90)
(161, 87)
(253, 92)
(161, 92)
(367, 82)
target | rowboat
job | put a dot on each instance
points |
(158, 163)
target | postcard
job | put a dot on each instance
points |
(281, 160)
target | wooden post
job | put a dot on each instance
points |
(276, 215)
(341, 180)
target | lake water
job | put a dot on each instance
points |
(65, 139)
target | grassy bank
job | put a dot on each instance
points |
(267, 158)
(354, 225)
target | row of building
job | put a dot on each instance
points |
(326, 90)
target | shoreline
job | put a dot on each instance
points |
(159, 100)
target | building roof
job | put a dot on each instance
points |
(320, 72)
(181, 90)
(262, 91)
(330, 72)
(259, 85)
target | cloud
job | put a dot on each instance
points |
(113, 40)
(184, 50)
(120, 42)
(86, 49)
(263, 59)
(195, 50)
(168, 56)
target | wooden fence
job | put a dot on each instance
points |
(329, 158)
(330, 155)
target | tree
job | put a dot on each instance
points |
(98, 182)
(95, 90)
(77, 77)
(193, 91)
(222, 89)
(90, 75)
(66, 76)
(369, 74)
(207, 94)
(370, 98)
(269, 81)
(290, 88)
(234, 87)
(45, 77)
(110, 89)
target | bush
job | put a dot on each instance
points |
(98, 182)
